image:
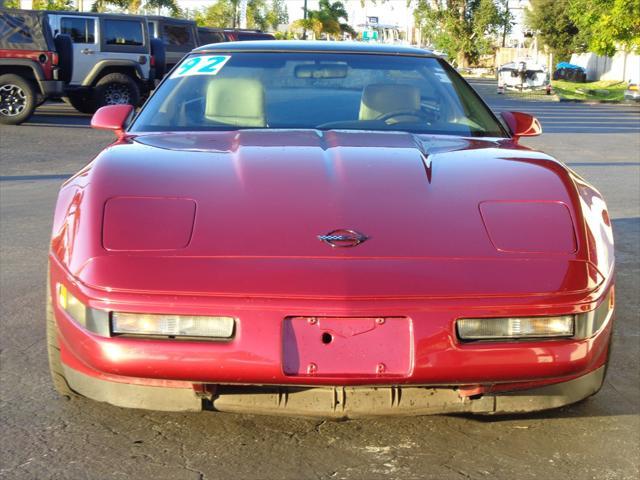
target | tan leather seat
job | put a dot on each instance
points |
(235, 101)
(380, 99)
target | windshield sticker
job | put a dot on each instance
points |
(201, 65)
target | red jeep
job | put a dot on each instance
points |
(33, 65)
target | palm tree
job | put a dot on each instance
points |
(171, 5)
(133, 6)
(310, 23)
(330, 16)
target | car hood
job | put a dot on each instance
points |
(250, 205)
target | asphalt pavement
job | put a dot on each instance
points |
(43, 436)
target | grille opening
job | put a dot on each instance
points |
(327, 338)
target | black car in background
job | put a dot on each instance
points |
(180, 36)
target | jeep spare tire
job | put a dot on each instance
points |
(18, 99)
(159, 57)
(116, 89)
(64, 47)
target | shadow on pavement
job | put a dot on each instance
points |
(58, 114)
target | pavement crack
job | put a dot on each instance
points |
(185, 463)
(318, 425)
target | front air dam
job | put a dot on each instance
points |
(334, 402)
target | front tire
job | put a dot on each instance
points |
(53, 350)
(116, 89)
(18, 99)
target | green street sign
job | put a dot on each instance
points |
(370, 35)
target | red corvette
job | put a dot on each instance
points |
(332, 230)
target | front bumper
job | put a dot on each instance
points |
(335, 402)
(248, 374)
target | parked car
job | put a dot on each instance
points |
(570, 73)
(112, 58)
(632, 93)
(327, 229)
(33, 65)
(208, 35)
(178, 36)
(241, 35)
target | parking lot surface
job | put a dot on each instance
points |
(44, 436)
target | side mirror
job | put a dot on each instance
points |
(522, 124)
(112, 117)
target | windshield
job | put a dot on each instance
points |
(298, 90)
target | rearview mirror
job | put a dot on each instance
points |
(522, 124)
(327, 70)
(112, 117)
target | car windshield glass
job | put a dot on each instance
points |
(316, 90)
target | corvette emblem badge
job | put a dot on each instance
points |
(343, 238)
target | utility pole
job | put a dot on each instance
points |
(243, 14)
(304, 30)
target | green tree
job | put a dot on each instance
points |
(464, 29)
(136, 6)
(52, 5)
(225, 14)
(327, 19)
(171, 5)
(221, 14)
(554, 27)
(101, 5)
(257, 14)
(10, 3)
(277, 14)
(309, 24)
(607, 26)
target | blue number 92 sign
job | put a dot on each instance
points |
(201, 65)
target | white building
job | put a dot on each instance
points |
(519, 30)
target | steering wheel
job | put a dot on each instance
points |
(418, 114)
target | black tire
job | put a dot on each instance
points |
(18, 99)
(53, 350)
(159, 57)
(116, 89)
(64, 48)
(82, 102)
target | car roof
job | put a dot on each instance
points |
(22, 12)
(34, 22)
(313, 46)
(119, 16)
(171, 19)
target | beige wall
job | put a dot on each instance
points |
(609, 68)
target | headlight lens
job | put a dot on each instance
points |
(515, 327)
(580, 326)
(173, 325)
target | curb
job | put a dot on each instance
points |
(592, 102)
